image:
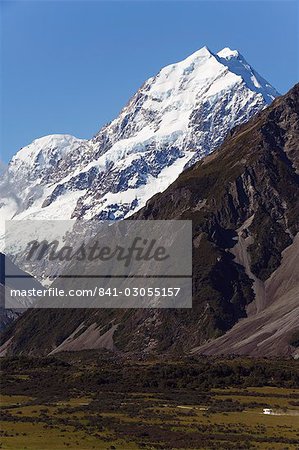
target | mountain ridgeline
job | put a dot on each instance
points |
(243, 200)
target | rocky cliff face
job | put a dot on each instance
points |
(243, 202)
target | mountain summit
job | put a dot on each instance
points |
(174, 119)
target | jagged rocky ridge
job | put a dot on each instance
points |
(243, 201)
(176, 117)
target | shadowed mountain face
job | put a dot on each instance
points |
(243, 202)
(9, 315)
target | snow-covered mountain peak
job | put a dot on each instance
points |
(228, 53)
(44, 156)
(164, 104)
(176, 117)
(237, 64)
(190, 67)
(199, 54)
(45, 147)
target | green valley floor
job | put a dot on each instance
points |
(99, 400)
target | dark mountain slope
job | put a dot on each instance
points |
(9, 315)
(243, 202)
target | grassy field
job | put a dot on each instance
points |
(90, 401)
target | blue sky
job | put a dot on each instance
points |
(69, 67)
